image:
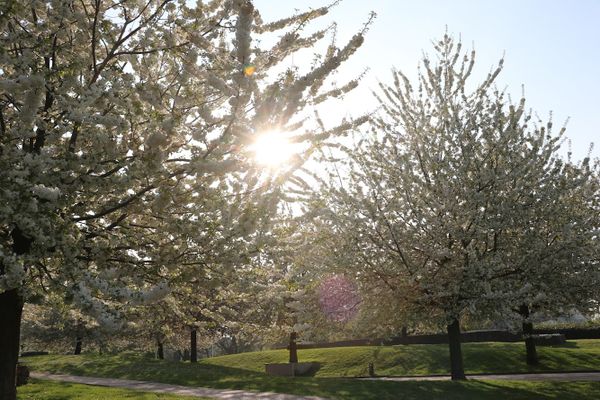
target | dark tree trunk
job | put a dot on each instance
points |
(160, 353)
(293, 347)
(193, 346)
(456, 361)
(234, 345)
(79, 337)
(11, 309)
(532, 358)
(78, 341)
(404, 332)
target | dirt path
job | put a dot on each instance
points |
(172, 389)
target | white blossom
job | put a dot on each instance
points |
(46, 193)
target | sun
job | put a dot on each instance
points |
(273, 148)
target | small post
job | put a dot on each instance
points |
(160, 353)
(371, 369)
(293, 348)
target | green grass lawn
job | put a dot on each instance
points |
(48, 390)
(479, 358)
(245, 371)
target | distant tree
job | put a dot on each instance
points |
(551, 256)
(51, 326)
(325, 300)
(436, 198)
(55, 326)
(114, 117)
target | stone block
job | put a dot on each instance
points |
(549, 339)
(292, 369)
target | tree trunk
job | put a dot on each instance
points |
(456, 361)
(160, 353)
(293, 347)
(234, 345)
(404, 332)
(11, 308)
(78, 341)
(193, 346)
(532, 358)
(79, 337)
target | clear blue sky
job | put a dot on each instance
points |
(552, 47)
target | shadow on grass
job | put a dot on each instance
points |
(566, 345)
(502, 358)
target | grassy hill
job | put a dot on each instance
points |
(427, 359)
(246, 371)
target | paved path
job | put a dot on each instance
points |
(548, 376)
(172, 389)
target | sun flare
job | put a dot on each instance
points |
(273, 148)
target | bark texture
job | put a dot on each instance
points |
(11, 309)
(532, 357)
(194, 345)
(160, 353)
(456, 360)
(79, 337)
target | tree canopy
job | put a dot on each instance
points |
(125, 134)
(459, 203)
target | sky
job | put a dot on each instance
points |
(551, 48)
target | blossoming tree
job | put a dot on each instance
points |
(439, 196)
(117, 116)
(550, 257)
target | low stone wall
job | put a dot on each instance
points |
(34, 353)
(466, 337)
(472, 336)
(549, 339)
(573, 333)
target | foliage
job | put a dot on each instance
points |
(126, 132)
(457, 202)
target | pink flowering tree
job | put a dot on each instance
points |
(338, 298)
